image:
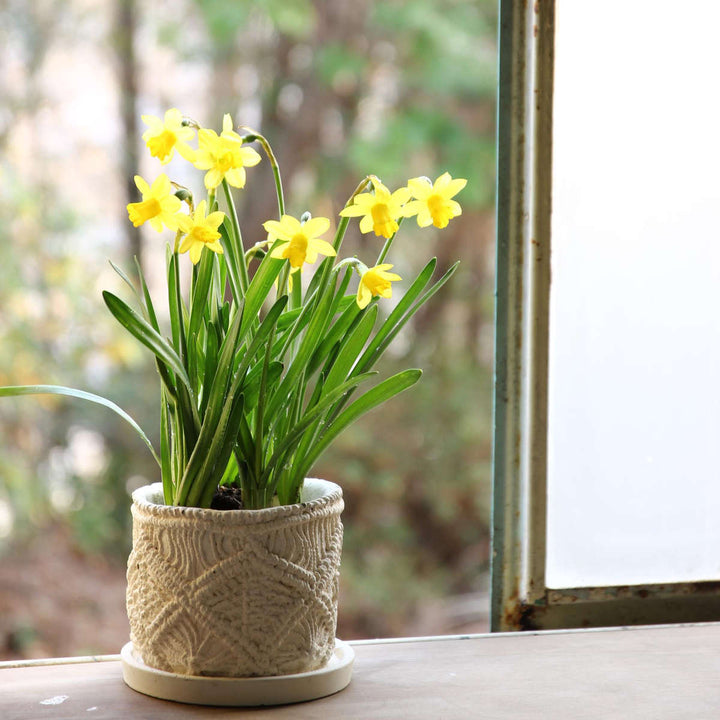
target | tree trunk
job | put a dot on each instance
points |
(125, 25)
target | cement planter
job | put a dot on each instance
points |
(235, 593)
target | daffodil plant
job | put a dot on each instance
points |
(266, 361)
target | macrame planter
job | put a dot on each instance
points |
(235, 593)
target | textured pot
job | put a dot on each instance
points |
(235, 593)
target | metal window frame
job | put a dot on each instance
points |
(520, 598)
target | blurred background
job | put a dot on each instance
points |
(341, 89)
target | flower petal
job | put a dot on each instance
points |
(272, 227)
(142, 185)
(186, 244)
(316, 226)
(323, 247)
(424, 217)
(173, 117)
(352, 210)
(455, 208)
(363, 296)
(249, 157)
(442, 181)
(420, 188)
(215, 218)
(412, 208)
(195, 252)
(401, 195)
(236, 177)
(213, 178)
(366, 224)
(161, 185)
(454, 187)
(279, 252)
(291, 225)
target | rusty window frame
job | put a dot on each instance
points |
(520, 598)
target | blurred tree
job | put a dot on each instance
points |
(341, 89)
(52, 325)
(127, 69)
(397, 89)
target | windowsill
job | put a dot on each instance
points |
(653, 672)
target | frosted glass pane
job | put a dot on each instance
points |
(634, 413)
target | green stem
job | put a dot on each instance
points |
(296, 292)
(179, 310)
(342, 226)
(260, 411)
(253, 136)
(244, 278)
(282, 281)
(340, 232)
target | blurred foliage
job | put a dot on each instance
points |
(397, 88)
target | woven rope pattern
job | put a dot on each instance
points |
(252, 595)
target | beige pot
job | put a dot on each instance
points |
(235, 593)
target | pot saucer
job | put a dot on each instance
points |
(239, 692)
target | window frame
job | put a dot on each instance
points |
(520, 598)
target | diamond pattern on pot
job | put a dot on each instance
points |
(256, 601)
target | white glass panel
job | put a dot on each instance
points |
(634, 419)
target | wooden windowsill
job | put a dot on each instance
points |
(650, 672)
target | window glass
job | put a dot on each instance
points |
(634, 387)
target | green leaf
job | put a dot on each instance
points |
(175, 307)
(288, 318)
(404, 310)
(252, 380)
(318, 322)
(17, 390)
(211, 453)
(149, 307)
(231, 259)
(222, 399)
(126, 280)
(211, 361)
(147, 335)
(200, 294)
(286, 443)
(166, 452)
(258, 290)
(245, 443)
(366, 402)
(144, 303)
(200, 300)
(351, 347)
(332, 337)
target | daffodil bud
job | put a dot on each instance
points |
(184, 195)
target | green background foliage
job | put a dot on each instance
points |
(341, 89)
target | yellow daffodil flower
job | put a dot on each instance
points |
(159, 206)
(433, 203)
(163, 136)
(375, 282)
(223, 156)
(200, 232)
(380, 210)
(300, 242)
